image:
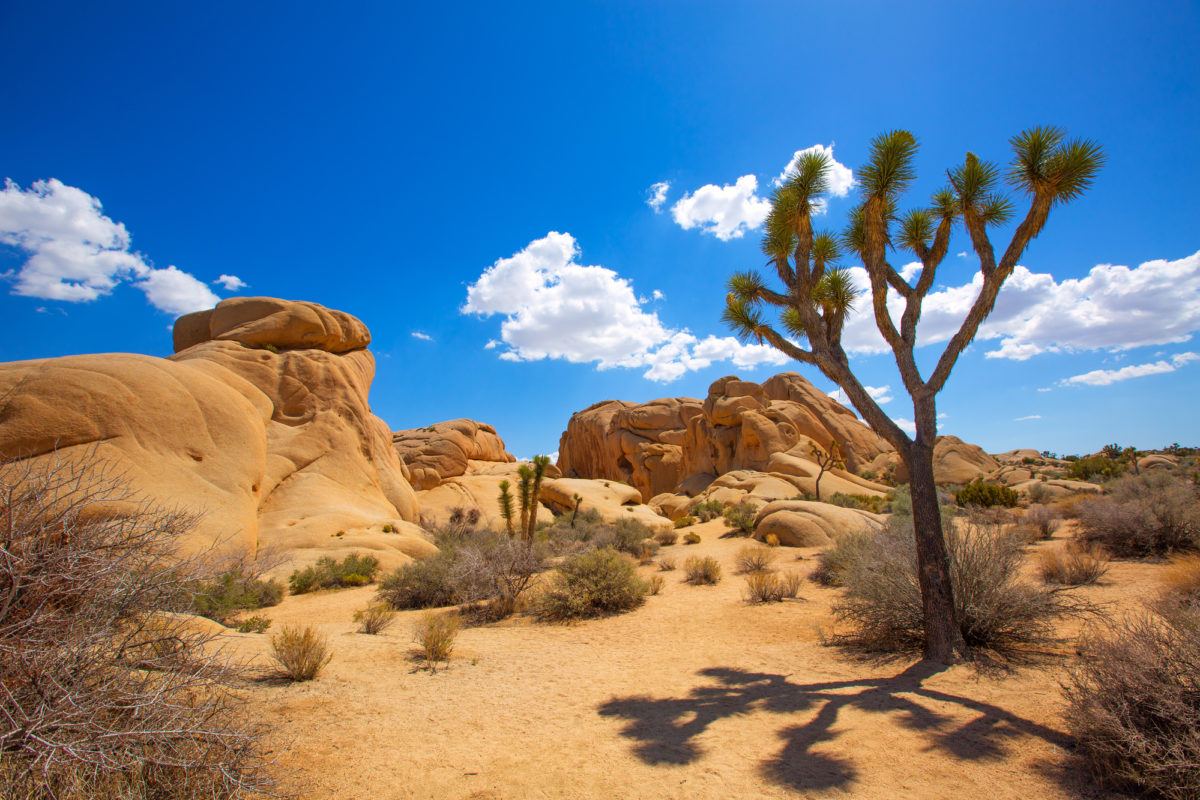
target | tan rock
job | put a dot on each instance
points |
(1157, 461)
(613, 500)
(802, 523)
(954, 462)
(446, 449)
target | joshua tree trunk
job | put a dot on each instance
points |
(943, 634)
(817, 487)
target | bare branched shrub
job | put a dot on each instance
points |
(375, 618)
(106, 691)
(999, 613)
(1039, 522)
(1151, 514)
(702, 570)
(754, 558)
(848, 549)
(493, 571)
(770, 587)
(435, 634)
(1072, 565)
(300, 652)
(592, 584)
(666, 538)
(1133, 703)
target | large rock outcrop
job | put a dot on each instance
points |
(954, 462)
(259, 422)
(446, 449)
(683, 444)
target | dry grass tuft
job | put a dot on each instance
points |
(702, 570)
(375, 618)
(1181, 580)
(754, 558)
(666, 564)
(435, 634)
(768, 587)
(654, 584)
(666, 538)
(1072, 564)
(300, 652)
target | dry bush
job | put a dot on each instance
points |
(691, 538)
(645, 554)
(707, 510)
(375, 618)
(420, 584)
(666, 538)
(435, 634)
(848, 549)
(769, 587)
(666, 564)
(1072, 564)
(1039, 522)
(1181, 580)
(739, 519)
(105, 692)
(300, 652)
(1152, 514)
(655, 584)
(329, 573)
(999, 614)
(592, 584)
(754, 558)
(772, 540)
(1133, 703)
(685, 521)
(702, 570)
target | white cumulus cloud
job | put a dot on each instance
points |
(554, 307)
(424, 337)
(726, 212)
(880, 394)
(840, 177)
(656, 195)
(77, 254)
(231, 282)
(1110, 308)
(1106, 377)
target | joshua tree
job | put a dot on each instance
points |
(816, 296)
(506, 506)
(575, 511)
(524, 490)
(538, 472)
(826, 460)
(1130, 454)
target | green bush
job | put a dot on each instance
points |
(329, 573)
(685, 521)
(1092, 467)
(740, 518)
(421, 584)
(253, 624)
(708, 510)
(232, 592)
(592, 584)
(691, 538)
(986, 495)
(864, 502)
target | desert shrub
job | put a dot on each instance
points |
(1072, 565)
(1133, 703)
(492, 572)
(435, 633)
(708, 510)
(685, 521)
(985, 495)
(106, 692)
(592, 584)
(1039, 522)
(654, 584)
(900, 501)
(1095, 467)
(421, 584)
(300, 652)
(848, 549)
(252, 624)
(1181, 581)
(623, 534)
(754, 558)
(647, 550)
(666, 564)
(232, 592)
(691, 538)
(666, 538)
(1152, 514)
(375, 618)
(1038, 493)
(873, 503)
(739, 519)
(699, 570)
(329, 573)
(1000, 614)
(770, 587)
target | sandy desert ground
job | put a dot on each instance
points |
(695, 695)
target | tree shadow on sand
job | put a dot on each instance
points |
(666, 729)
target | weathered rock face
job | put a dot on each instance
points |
(954, 461)
(445, 449)
(260, 422)
(682, 444)
(800, 523)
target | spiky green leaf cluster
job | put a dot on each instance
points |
(1044, 163)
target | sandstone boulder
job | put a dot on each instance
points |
(446, 449)
(1157, 461)
(802, 523)
(954, 462)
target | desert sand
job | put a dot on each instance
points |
(695, 695)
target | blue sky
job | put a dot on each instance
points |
(380, 159)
